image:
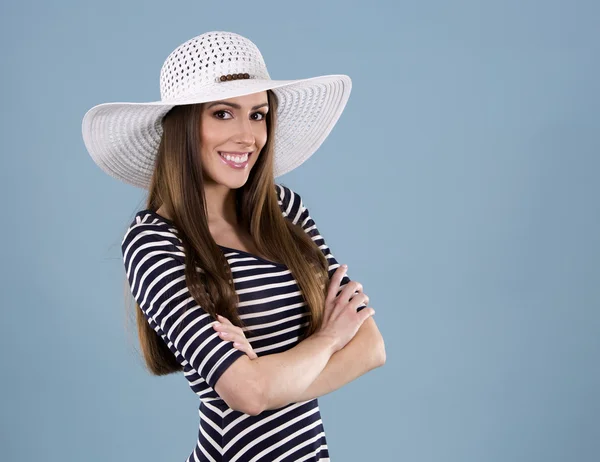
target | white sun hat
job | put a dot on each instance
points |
(123, 138)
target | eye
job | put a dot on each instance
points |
(261, 114)
(216, 114)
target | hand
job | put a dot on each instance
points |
(228, 331)
(341, 321)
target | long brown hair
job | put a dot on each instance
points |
(177, 183)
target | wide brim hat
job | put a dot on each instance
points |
(123, 137)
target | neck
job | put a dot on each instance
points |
(220, 204)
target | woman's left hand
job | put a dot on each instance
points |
(227, 331)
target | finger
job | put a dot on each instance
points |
(217, 325)
(246, 348)
(243, 345)
(235, 329)
(231, 336)
(224, 320)
(350, 290)
(230, 332)
(362, 296)
(335, 282)
(365, 313)
(359, 301)
(227, 328)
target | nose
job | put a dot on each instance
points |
(244, 135)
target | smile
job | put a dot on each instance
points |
(237, 160)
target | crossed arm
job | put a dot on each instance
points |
(363, 353)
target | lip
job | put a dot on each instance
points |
(233, 164)
(232, 153)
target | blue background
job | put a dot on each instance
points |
(460, 186)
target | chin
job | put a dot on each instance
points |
(233, 180)
(234, 183)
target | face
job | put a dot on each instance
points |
(235, 128)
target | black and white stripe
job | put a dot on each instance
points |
(270, 304)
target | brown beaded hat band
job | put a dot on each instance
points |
(234, 77)
(123, 137)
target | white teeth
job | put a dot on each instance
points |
(236, 159)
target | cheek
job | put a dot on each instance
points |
(260, 135)
(211, 134)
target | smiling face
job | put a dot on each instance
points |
(233, 132)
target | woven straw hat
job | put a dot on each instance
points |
(123, 138)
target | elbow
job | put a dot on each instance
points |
(242, 387)
(256, 400)
(382, 358)
(249, 403)
(253, 410)
(252, 407)
(380, 355)
(252, 399)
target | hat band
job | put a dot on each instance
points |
(226, 77)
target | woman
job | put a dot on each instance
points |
(233, 283)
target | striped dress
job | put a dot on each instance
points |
(270, 303)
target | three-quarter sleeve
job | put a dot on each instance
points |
(294, 209)
(155, 268)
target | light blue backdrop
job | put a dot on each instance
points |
(460, 186)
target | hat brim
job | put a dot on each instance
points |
(123, 137)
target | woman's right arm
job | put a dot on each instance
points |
(272, 381)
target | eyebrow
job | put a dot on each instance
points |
(236, 106)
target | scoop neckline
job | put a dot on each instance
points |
(243, 252)
(256, 257)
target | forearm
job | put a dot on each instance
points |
(284, 376)
(358, 357)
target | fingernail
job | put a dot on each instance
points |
(345, 266)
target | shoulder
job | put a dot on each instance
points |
(149, 231)
(289, 201)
